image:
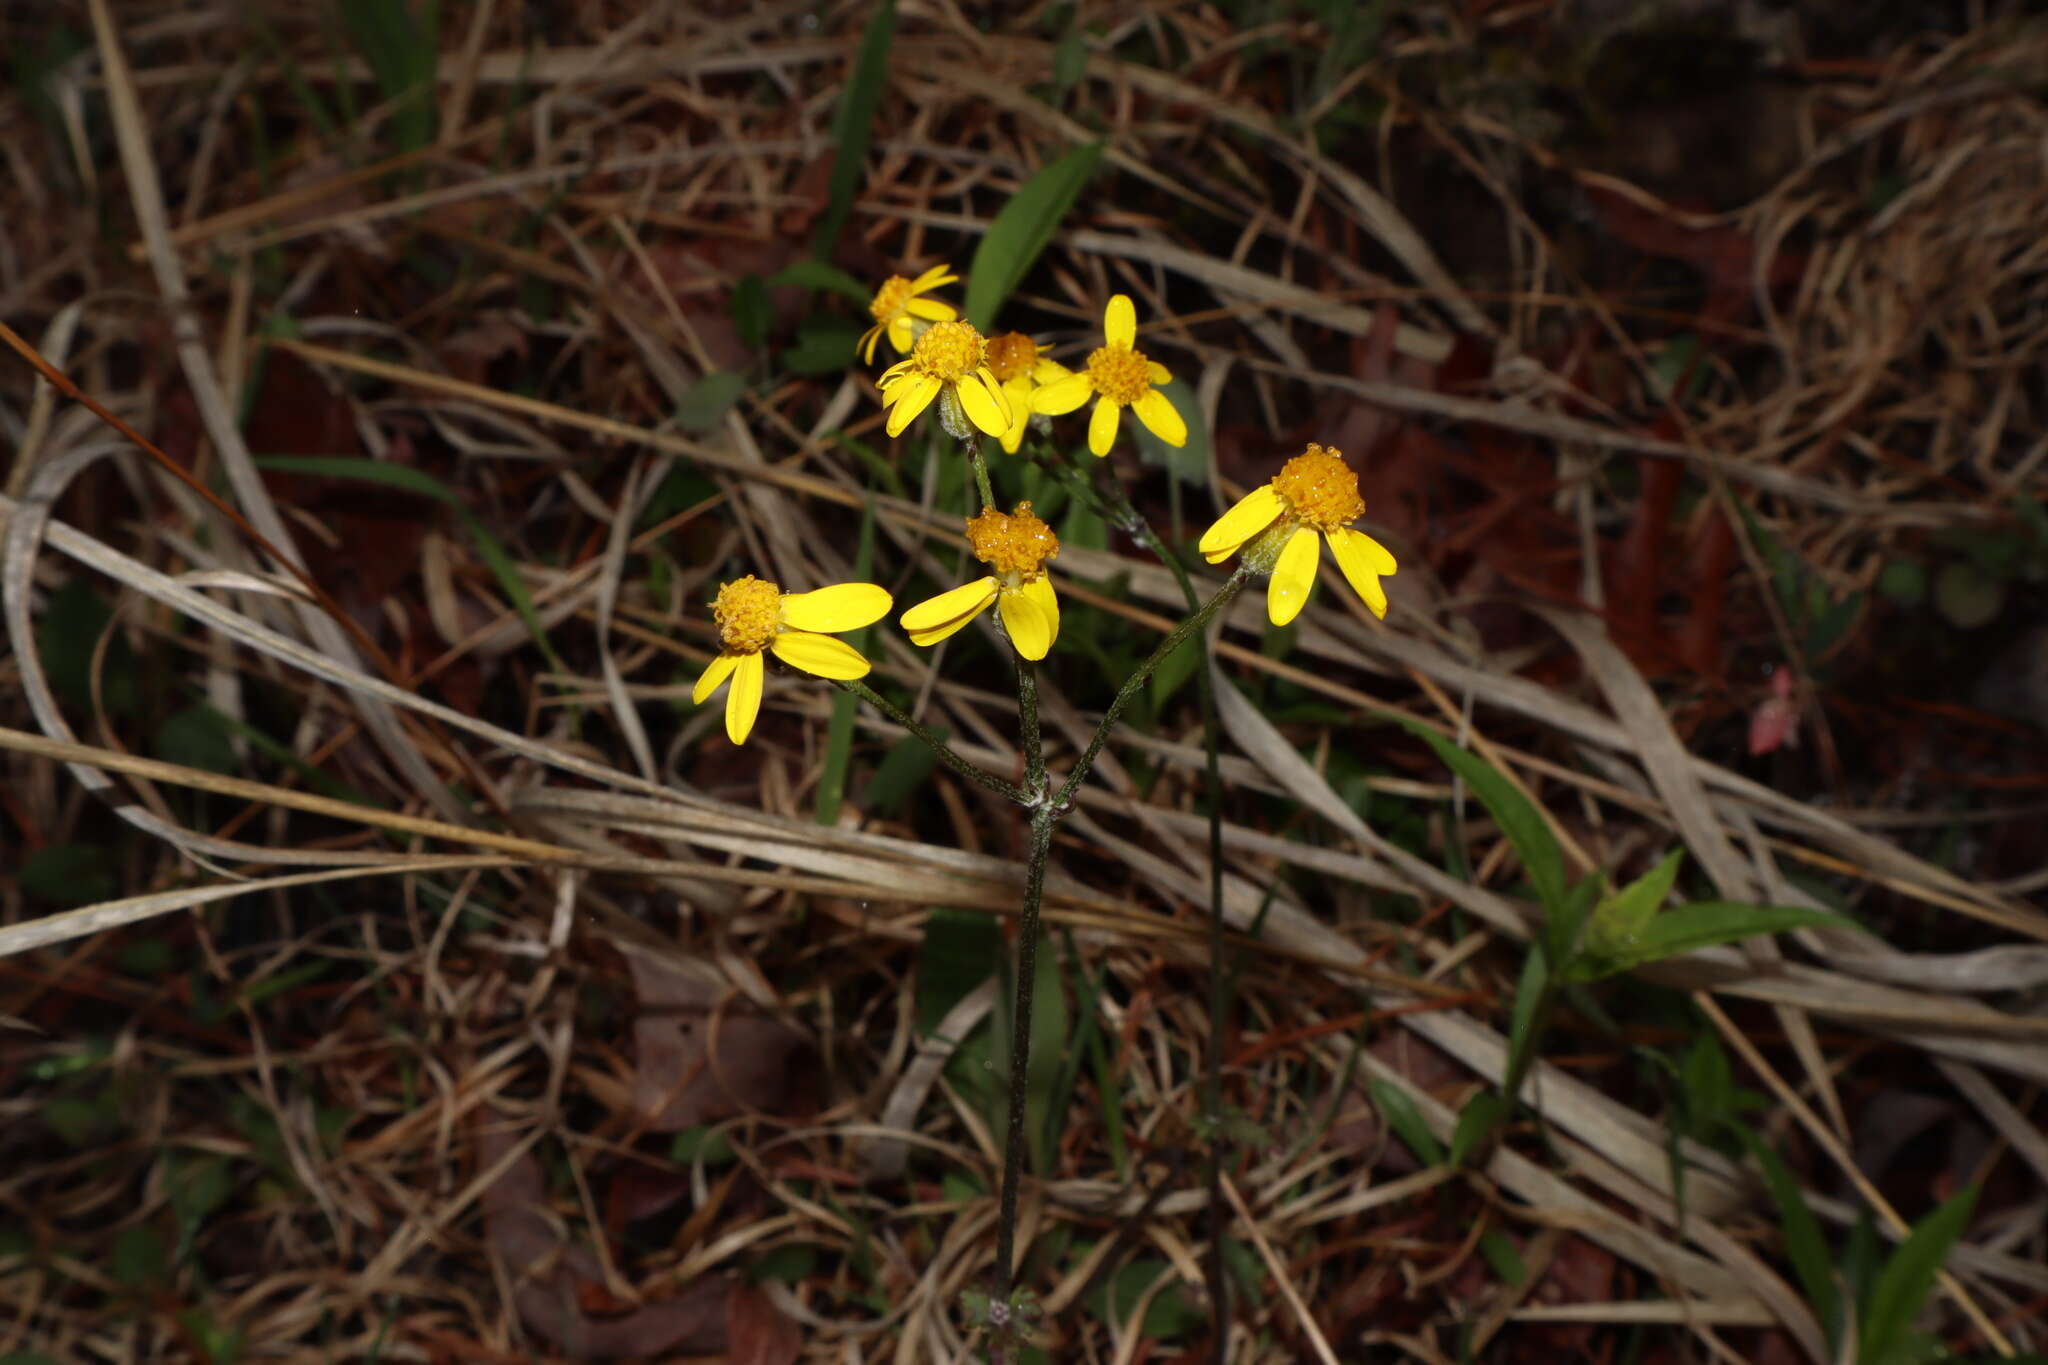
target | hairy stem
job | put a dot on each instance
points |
(970, 770)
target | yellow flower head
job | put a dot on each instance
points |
(897, 310)
(754, 614)
(1315, 492)
(1019, 365)
(949, 362)
(1117, 376)
(1016, 545)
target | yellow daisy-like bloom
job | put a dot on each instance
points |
(754, 614)
(1315, 492)
(896, 309)
(949, 362)
(1015, 545)
(1019, 365)
(1118, 376)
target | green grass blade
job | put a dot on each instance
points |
(1804, 1245)
(1515, 813)
(1021, 230)
(853, 124)
(1908, 1277)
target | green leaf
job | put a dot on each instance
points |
(853, 124)
(960, 951)
(67, 635)
(69, 874)
(1622, 917)
(1703, 924)
(814, 274)
(823, 345)
(702, 410)
(1169, 1315)
(1174, 671)
(1526, 1020)
(1021, 230)
(789, 1263)
(1476, 1121)
(1908, 1277)
(1904, 581)
(1968, 596)
(1708, 1080)
(702, 1143)
(1516, 815)
(1188, 462)
(140, 1258)
(1069, 59)
(1502, 1255)
(1805, 1248)
(751, 311)
(197, 737)
(901, 774)
(1400, 1114)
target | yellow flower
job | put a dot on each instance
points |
(1016, 545)
(754, 614)
(949, 362)
(1313, 492)
(1017, 363)
(896, 307)
(1119, 377)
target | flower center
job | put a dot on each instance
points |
(1012, 542)
(1119, 373)
(1320, 489)
(890, 299)
(1011, 355)
(749, 611)
(949, 350)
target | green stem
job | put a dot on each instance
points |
(1042, 818)
(972, 771)
(974, 458)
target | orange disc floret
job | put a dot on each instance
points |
(1012, 542)
(948, 350)
(1319, 489)
(1119, 373)
(749, 612)
(1011, 356)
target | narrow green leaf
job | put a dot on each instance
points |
(815, 274)
(752, 313)
(853, 124)
(1805, 1248)
(1619, 919)
(1400, 1114)
(1908, 1277)
(959, 952)
(703, 408)
(1476, 1121)
(1515, 813)
(823, 345)
(1502, 1255)
(1021, 230)
(1525, 1021)
(1703, 924)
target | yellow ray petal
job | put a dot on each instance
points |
(721, 668)
(1161, 417)
(1158, 373)
(819, 654)
(1062, 395)
(743, 698)
(930, 309)
(1294, 576)
(1363, 561)
(932, 278)
(1049, 372)
(902, 335)
(948, 611)
(1120, 321)
(908, 399)
(981, 398)
(843, 606)
(1251, 514)
(1039, 590)
(1025, 624)
(867, 343)
(1102, 426)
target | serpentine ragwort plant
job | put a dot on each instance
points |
(1002, 387)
